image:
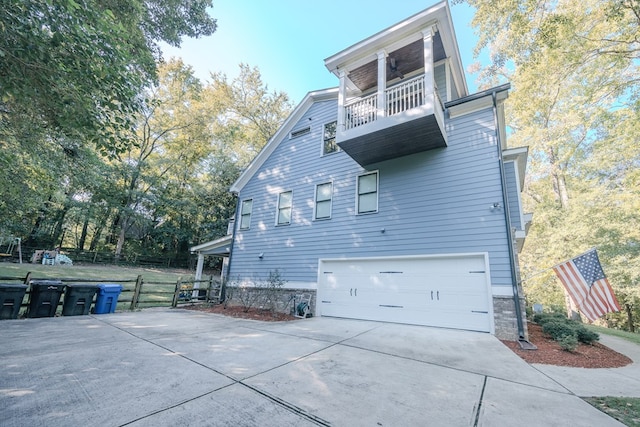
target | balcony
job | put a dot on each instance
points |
(411, 121)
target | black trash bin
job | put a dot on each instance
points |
(44, 298)
(11, 296)
(78, 299)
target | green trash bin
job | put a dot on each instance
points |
(78, 299)
(11, 296)
(44, 298)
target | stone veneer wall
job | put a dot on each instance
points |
(504, 316)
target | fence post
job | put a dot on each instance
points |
(176, 294)
(27, 279)
(136, 293)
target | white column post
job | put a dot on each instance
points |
(382, 84)
(342, 95)
(199, 266)
(427, 37)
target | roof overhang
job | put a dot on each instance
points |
(219, 247)
(518, 155)
(410, 29)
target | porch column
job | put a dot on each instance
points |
(429, 85)
(342, 94)
(382, 84)
(223, 272)
(199, 266)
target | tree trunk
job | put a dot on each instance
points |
(120, 242)
(629, 311)
(83, 234)
(558, 179)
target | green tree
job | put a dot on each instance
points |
(75, 68)
(574, 72)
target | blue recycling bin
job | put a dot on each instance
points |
(11, 297)
(107, 298)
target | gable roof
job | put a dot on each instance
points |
(281, 134)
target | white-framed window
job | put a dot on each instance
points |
(245, 214)
(285, 205)
(329, 144)
(324, 195)
(367, 193)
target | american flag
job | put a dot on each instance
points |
(588, 287)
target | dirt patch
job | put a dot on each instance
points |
(242, 313)
(549, 352)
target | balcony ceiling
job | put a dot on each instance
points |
(408, 59)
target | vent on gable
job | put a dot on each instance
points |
(299, 132)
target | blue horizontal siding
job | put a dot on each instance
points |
(430, 203)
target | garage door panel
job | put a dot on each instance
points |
(437, 291)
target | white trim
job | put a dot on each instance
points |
(322, 153)
(377, 192)
(519, 155)
(250, 214)
(288, 285)
(397, 35)
(281, 135)
(278, 209)
(315, 201)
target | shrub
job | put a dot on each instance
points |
(542, 318)
(568, 342)
(558, 329)
(585, 335)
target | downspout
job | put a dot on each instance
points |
(233, 239)
(507, 217)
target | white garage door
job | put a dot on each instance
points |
(451, 291)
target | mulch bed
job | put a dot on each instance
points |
(549, 352)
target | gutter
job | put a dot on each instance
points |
(522, 341)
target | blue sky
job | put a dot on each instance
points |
(288, 40)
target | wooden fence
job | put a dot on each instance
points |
(138, 293)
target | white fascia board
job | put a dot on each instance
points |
(213, 244)
(281, 134)
(438, 15)
(519, 155)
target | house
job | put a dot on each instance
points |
(392, 197)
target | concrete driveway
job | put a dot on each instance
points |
(163, 367)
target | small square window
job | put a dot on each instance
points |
(367, 193)
(245, 214)
(329, 138)
(285, 204)
(324, 194)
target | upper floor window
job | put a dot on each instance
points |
(367, 193)
(245, 214)
(329, 138)
(285, 204)
(324, 193)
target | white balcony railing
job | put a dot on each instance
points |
(399, 98)
(405, 96)
(361, 111)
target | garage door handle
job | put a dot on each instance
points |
(356, 291)
(351, 291)
(431, 295)
(438, 295)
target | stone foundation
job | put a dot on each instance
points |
(504, 316)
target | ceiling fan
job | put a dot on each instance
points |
(394, 68)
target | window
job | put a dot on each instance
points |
(285, 202)
(245, 214)
(329, 138)
(367, 193)
(324, 193)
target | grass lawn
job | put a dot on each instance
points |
(624, 409)
(94, 272)
(629, 336)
